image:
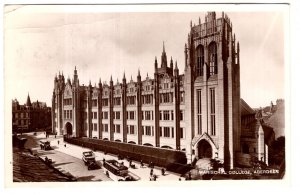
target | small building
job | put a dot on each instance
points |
(30, 116)
(256, 137)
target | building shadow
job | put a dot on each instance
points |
(85, 178)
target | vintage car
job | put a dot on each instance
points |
(88, 157)
(45, 145)
(116, 168)
(91, 165)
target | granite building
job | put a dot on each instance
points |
(30, 116)
(197, 112)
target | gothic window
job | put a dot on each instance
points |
(200, 60)
(199, 112)
(213, 58)
(212, 112)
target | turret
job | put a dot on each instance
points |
(124, 79)
(164, 62)
(155, 64)
(111, 81)
(28, 102)
(139, 76)
(171, 63)
(100, 84)
(176, 71)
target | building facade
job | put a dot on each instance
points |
(197, 112)
(30, 116)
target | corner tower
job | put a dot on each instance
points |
(212, 90)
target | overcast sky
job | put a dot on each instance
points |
(40, 41)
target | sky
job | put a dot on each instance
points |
(40, 41)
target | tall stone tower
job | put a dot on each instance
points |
(212, 90)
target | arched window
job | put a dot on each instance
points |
(200, 60)
(213, 58)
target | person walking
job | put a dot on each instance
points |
(142, 164)
(57, 142)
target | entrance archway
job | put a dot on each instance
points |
(68, 128)
(204, 149)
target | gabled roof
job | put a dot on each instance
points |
(245, 108)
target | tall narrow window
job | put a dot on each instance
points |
(212, 112)
(200, 60)
(199, 112)
(213, 58)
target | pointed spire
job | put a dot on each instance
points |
(171, 63)
(124, 75)
(163, 47)
(131, 77)
(176, 68)
(199, 20)
(28, 102)
(111, 78)
(139, 73)
(238, 47)
(191, 24)
(155, 63)
(90, 84)
(147, 74)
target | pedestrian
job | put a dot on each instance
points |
(151, 171)
(65, 145)
(107, 173)
(162, 171)
(179, 178)
(103, 160)
(154, 177)
(57, 142)
(142, 164)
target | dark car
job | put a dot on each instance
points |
(88, 157)
(45, 145)
(92, 165)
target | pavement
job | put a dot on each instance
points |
(68, 157)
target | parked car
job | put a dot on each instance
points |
(92, 165)
(45, 145)
(88, 157)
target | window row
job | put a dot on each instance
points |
(21, 115)
(147, 115)
(165, 97)
(166, 132)
(131, 100)
(21, 122)
(94, 115)
(131, 129)
(67, 114)
(147, 99)
(212, 59)
(148, 130)
(166, 115)
(68, 101)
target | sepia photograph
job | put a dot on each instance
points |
(145, 93)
